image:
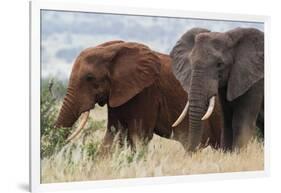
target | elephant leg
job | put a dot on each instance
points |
(227, 132)
(180, 134)
(260, 120)
(243, 127)
(113, 131)
(139, 133)
(247, 108)
(216, 126)
(113, 127)
(107, 140)
(227, 129)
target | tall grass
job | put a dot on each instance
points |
(80, 161)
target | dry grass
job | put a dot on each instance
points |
(162, 157)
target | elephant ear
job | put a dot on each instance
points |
(133, 68)
(180, 56)
(248, 63)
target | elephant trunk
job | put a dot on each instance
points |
(197, 101)
(68, 113)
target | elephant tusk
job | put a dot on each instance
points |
(210, 108)
(182, 115)
(85, 117)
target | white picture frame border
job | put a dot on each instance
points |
(35, 168)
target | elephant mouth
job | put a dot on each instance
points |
(102, 103)
(84, 115)
(102, 100)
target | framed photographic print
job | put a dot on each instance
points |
(125, 96)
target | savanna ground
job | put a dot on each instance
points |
(79, 160)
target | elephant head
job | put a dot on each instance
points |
(206, 61)
(111, 73)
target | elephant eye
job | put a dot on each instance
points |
(89, 77)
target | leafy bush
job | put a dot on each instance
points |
(52, 139)
(91, 150)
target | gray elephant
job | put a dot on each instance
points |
(228, 65)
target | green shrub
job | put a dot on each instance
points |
(91, 150)
(52, 139)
